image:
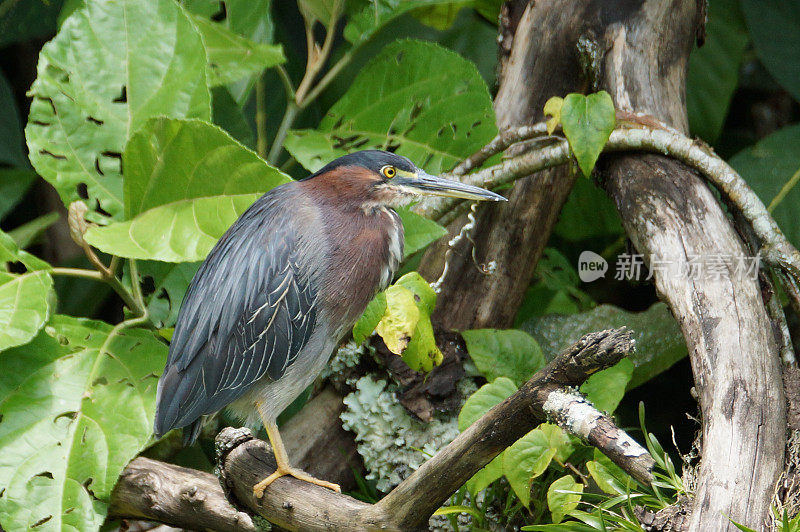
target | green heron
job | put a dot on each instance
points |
(282, 287)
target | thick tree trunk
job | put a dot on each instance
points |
(672, 216)
(638, 52)
(514, 234)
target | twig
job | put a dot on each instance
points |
(261, 117)
(499, 144)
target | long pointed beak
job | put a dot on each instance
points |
(430, 185)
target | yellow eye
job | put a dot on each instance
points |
(389, 171)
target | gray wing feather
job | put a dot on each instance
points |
(247, 314)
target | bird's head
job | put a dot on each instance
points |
(379, 178)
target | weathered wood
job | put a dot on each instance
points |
(182, 497)
(515, 233)
(671, 216)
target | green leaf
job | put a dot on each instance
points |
(558, 440)
(77, 405)
(587, 122)
(491, 472)
(510, 353)
(561, 503)
(525, 460)
(422, 354)
(424, 102)
(775, 28)
(609, 476)
(659, 342)
(714, 69)
(400, 319)
(11, 151)
(588, 213)
(486, 397)
(366, 324)
(419, 231)
(230, 117)
(322, 11)
(772, 168)
(183, 231)
(606, 388)
(14, 184)
(231, 57)
(169, 282)
(29, 232)
(112, 66)
(23, 306)
(424, 295)
(368, 17)
(172, 160)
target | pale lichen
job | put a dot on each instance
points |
(391, 441)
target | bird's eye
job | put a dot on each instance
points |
(389, 171)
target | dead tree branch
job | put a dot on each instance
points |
(153, 490)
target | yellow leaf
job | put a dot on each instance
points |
(552, 108)
(400, 319)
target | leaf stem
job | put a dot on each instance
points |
(136, 285)
(287, 82)
(327, 79)
(112, 281)
(288, 118)
(261, 117)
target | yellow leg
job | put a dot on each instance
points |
(284, 468)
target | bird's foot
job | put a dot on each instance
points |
(258, 489)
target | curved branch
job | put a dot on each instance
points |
(174, 495)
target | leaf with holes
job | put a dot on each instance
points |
(587, 122)
(171, 160)
(232, 57)
(772, 168)
(165, 284)
(415, 98)
(112, 66)
(77, 405)
(509, 353)
(366, 18)
(183, 231)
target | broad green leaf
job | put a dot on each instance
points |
(525, 460)
(112, 66)
(11, 142)
(416, 98)
(366, 324)
(419, 231)
(486, 397)
(183, 231)
(606, 388)
(714, 69)
(10, 252)
(322, 11)
(609, 476)
(775, 28)
(440, 16)
(559, 499)
(659, 342)
(172, 160)
(231, 57)
(587, 121)
(423, 293)
(366, 18)
(491, 472)
(772, 168)
(77, 405)
(400, 319)
(169, 282)
(14, 184)
(23, 306)
(504, 353)
(558, 440)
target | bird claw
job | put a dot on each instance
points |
(258, 489)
